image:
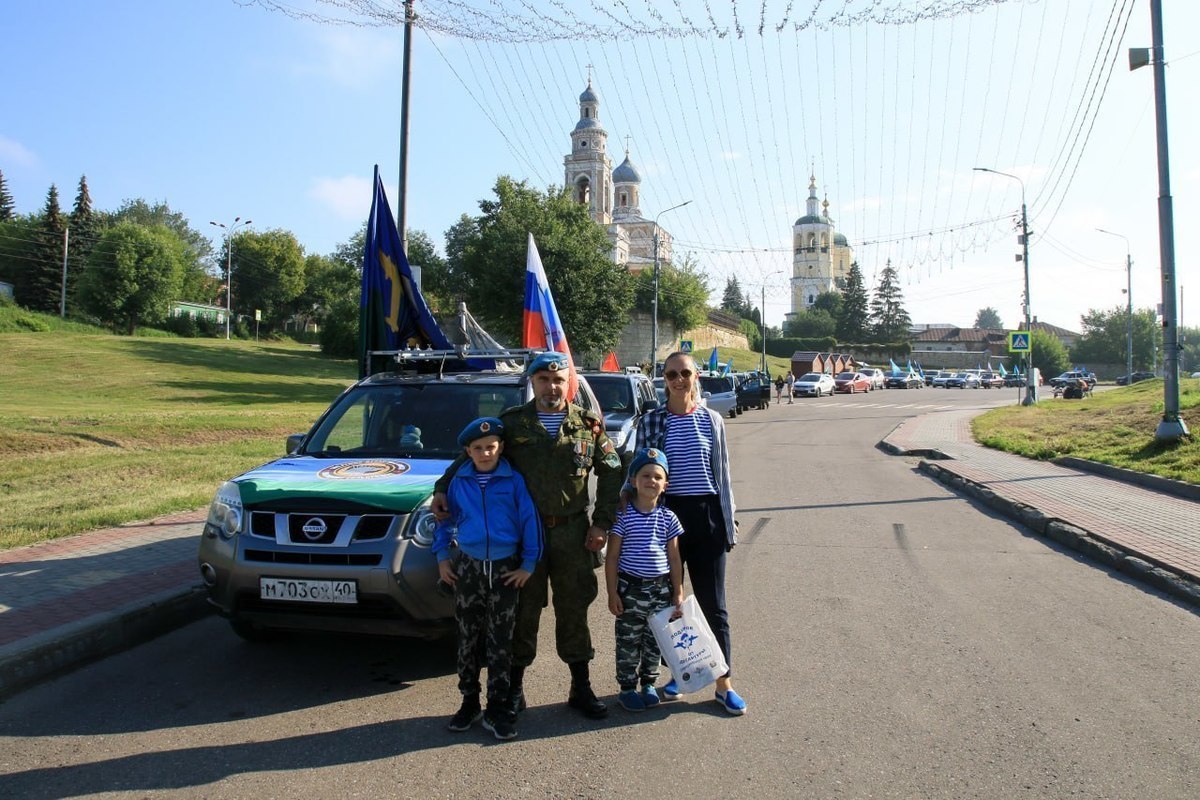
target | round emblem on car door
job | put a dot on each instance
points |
(314, 529)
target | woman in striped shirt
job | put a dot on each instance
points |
(700, 494)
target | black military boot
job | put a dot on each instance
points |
(582, 698)
(516, 689)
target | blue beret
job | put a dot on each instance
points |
(648, 455)
(484, 426)
(552, 361)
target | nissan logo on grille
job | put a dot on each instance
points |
(314, 529)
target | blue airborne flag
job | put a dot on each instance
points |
(392, 313)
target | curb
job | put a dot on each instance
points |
(1094, 546)
(1187, 491)
(59, 650)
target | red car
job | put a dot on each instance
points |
(990, 380)
(851, 382)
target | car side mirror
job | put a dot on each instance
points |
(294, 441)
(649, 405)
(706, 394)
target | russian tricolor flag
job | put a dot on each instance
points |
(541, 328)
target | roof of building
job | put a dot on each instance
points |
(589, 123)
(814, 219)
(589, 95)
(626, 172)
(840, 240)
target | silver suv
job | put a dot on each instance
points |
(335, 536)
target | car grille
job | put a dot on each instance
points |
(321, 528)
(322, 559)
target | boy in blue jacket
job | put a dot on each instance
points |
(499, 536)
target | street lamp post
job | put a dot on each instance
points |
(238, 222)
(1128, 307)
(654, 339)
(1030, 383)
(763, 319)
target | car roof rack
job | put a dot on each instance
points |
(456, 358)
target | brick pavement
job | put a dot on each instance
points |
(1160, 528)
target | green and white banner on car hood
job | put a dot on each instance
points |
(391, 484)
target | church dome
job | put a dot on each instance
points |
(814, 219)
(589, 96)
(840, 241)
(626, 173)
(588, 123)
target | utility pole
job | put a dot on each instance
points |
(654, 334)
(1128, 307)
(405, 91)
(62, 302)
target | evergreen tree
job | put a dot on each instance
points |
(988, 318)
(852, 319)
(45, 271)
(731, 300)
(8, 209)
(889, 319)
(84, 225)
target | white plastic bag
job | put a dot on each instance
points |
(688, 646)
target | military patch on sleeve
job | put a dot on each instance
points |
(607, 447)
(612, 461)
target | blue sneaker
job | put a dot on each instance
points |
(732, 703)
(670, 692)
(630, 700)
(650, 697)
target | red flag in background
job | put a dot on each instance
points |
(610, 363)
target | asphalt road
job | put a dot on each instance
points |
(892, 639)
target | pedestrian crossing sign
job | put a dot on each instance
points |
(1018, 342)
(685, 346)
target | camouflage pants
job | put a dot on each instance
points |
(567, 568)
(486, 609)
(638, 655)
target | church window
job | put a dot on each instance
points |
(811, 299)
(624, 199)
(812, 240)
(583, 143)
(824, 240)
(587, 112)
(583, 191)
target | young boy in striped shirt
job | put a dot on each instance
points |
(644, 574)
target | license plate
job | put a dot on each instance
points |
(305, 591)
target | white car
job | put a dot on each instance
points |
(813, 384)
(720, 394)
(876, 375)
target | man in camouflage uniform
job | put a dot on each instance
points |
(556, 466)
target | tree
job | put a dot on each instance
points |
(889, 319)
(19, 245)
(132, 276)
(268, 274)
(753, 333)
(8, 210)
(1048, 354)
(853, 319)
(731, 300)
(1189, 340)
(487, 265)
(682, 293)
(201, 267)
(1104, 339)
(988, 318)
(830, 302)
(84, 227)
(45, 270)
(435, 275)
(811, 324)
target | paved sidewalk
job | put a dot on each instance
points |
(1150, 533)
(72, 600)
(69, 601)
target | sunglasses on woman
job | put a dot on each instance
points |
(672, 374)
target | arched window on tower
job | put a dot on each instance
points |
(624, 199)
(811, 299)
(812, 240)
(824, 240)
(583, 191)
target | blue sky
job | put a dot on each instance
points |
(223, 109)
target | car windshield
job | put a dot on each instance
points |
(846, 376)
(716, 384)
(407, 420)
(614, 393)
(810, 377)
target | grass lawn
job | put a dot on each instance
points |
(98, 430)
(1113, 427)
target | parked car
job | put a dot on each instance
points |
(1073, 375)
(991, 380)
(624, 398)
(720, 394)
(660, 388)
(939, 380)
(336, 535)
(813, 384)
(963, 380)
(1124, 380)
(877, 377)
(851, 382)
(1012, 379)
(904, 380)
(754, 391)
(930, 375)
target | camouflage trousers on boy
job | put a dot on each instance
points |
(486, 609)
(638, 655)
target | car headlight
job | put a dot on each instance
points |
(226, 512)
(421, 524)
(618, 437)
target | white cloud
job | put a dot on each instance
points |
(13, 152)
(348, 197)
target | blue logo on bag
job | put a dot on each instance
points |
(685, 637)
